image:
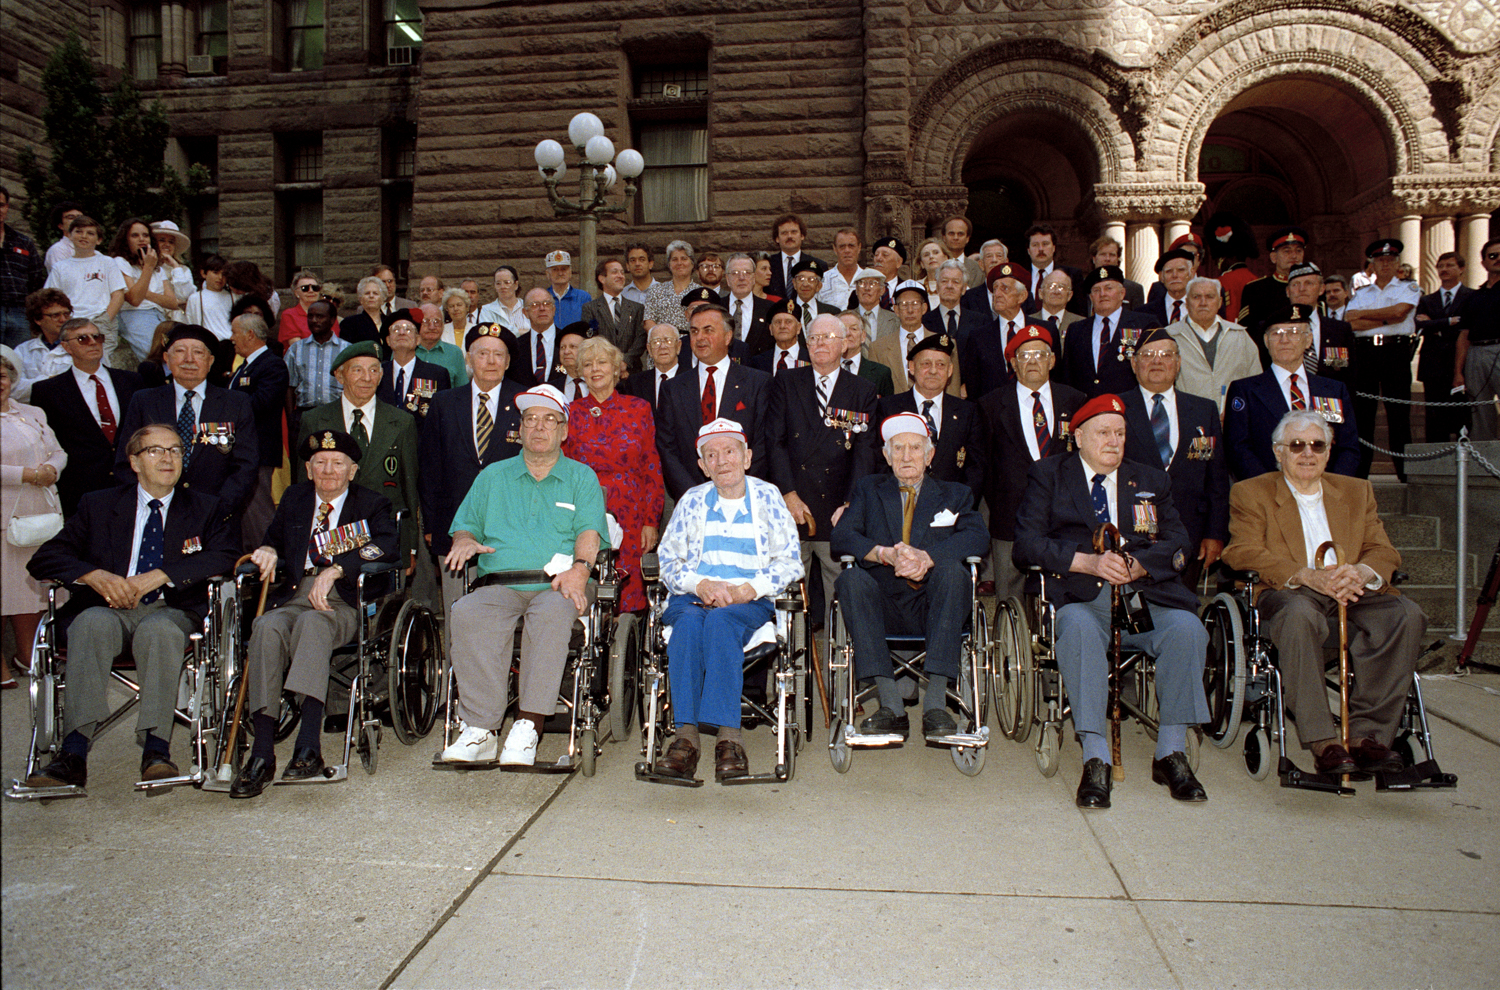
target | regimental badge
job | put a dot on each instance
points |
(191, 545)
(350, 536)
(1145, 517)
(219, 436)
(962, 454)
(372, 551)
(392, 465)
(1329, 408)
(327, 442)
(1202, 447)
(1179, 561)
(1336, 357)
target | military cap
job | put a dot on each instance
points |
(1306, 268)
(809, 264)
(1286, 235)
(893, 243)
(1025, 335)
(702, 294)
(1104, 273)
(1097, 406)
(932, 342)
(1386, 246)
(1173, 255)
(365, 348)
(335, 440)
(484, 330)
(1008, 269)
(191, 331)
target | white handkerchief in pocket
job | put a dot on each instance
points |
(945, 518)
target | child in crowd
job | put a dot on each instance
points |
(91, 281)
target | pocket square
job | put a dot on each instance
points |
(739, 407)
(947, 517)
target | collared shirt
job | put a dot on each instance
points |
(1207, 333)
(398, 370)
(1169, 403)
(851, 364)
(309, 367)
(871, 319)
(334, 515)
(936, 412)
(142, 513)
(611, 303)
(943, 312)
(1043, 315)
(752, 539)
(91, 394)
(1315, 532)
(1395, 293)
(179, 395)
(787, 261)
(549, 347)
(1284, 380)
(1028, 427)
(510, 317)
(38, 363)
(836, 289)
(1111, 487)
(367, 420)
(792, 354)
(635, 293)
(1114, 332)
(447, 357)
(833, 382)
(1038, 276)
(493, 405)
(660, 377)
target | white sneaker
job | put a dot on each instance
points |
(520, 745)
(473, 745)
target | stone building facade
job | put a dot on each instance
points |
(1356, 118)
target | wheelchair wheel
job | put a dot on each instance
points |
(1194, 752)
(1048, 751)
(840, 754)
(983, 665)
(968, 759)
(1012, 679)
(841, 694)
(1224, 671)
(624, 673)
(369, 747)
(1258, 755)
(412, 665)
(587, 753)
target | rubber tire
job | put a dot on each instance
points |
(624, 676)
(414, 630)
(1229, 668)
(587, 753)
(1259, 758)
(369, 748)
(1048, 749)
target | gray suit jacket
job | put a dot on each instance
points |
(628, 332)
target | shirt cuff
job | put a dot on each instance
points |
(1373, 581)
(762, 585)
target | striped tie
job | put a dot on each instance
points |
(483, 425)
(1039, 425)
(1310, 359)
(822, 393)
(1299, 401)
(1161, 427)
(187, 425)
(932, 432)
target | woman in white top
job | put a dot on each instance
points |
(508, 309)
(149, 294)
(930, 255)
(456, 317)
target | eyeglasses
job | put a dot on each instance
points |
(1286, 333)
(86, 338)
(309, 287)
(1027, 357)
(57, 314)
(1298, 446)
(823, 338)
(155, 452)
(1156, 355)
(539, 305)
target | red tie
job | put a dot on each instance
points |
(541, 360)
(710, 397)
(1299, 401)
(106, 413)
(1176, 310)
(1103, 341)
(1039, 424)
(781, 363)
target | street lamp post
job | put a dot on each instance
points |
(596, 177)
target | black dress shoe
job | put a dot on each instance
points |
(157, 766)
(938, 722)
(306, 763)
(1178, 776)
(1373, 756)
(68, 770)
(885, 722)
(253, 777)
(1093, 788)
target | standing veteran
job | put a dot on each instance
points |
(909, 579)
(137, 559)
(1067, 499)
(953, 423)
(1213, 351)
(1277, 521)
(522, 514)
(730, 548)
(325, 528)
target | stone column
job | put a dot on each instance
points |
(1437, 238)
(887, 132)
(1115, 229)
(1409, 230)
(174, 45)
(1473, 231)
(1173, 229)
(1141, 251)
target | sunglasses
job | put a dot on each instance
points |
(1298, 446)
(309, 287)
(87, 338)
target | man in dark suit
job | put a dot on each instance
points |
(749, 315)
(137, 559)
(1181, 433)
(1096, 353)
(406, 381)
(533, 356)
(820, 438)
(217, 426)
(788, 349)
(986, 331)
(663, 364)
(908, 533)
(325, 529)
(1438, 322)
(789, 232)
(952, 423)
(946, 316)
(716, 388)
(83, 406)
(1023, 424)
(1253, 406)
(807, 282)
(870, 368)
(1067, 499)
(1106, 251)
(1041, 250)
(263, 377)
(613, 316)
(1330, 351)
(1175, 268)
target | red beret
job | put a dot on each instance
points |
(1099, 404)
(1026, 335)
(1009, 269)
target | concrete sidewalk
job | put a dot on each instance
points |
(902, 873)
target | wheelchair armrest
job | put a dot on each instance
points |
(1228, 573)
(650, 568)
(247, 569)
(1399, 578)
(608, 557)
(369, 568)
(845, 561)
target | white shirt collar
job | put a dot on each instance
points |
(368, 409)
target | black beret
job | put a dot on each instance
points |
(336, 440)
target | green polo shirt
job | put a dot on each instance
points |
(528, 521)
(445, 355)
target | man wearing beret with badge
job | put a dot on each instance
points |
(887, 256)
(807, 282)
(1067, 499)
(1175, 267)
(1383, 315)
(952, 423)
(387, 436)
(324, 529)
(1287, 248)
(987, 332)
(220, 440)
(1096, 351)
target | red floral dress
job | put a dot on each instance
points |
(617, 438)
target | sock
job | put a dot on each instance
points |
(310, 733)
(76, 744)
(1171, 739)
(732, 733)
(689, 733)
(889, 694)
(156, 744)
(1094, 746)
(264, 743)
(937, 692)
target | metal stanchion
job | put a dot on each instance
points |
(1460, 576)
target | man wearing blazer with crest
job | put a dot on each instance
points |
(1087, 365)
(1067, 499)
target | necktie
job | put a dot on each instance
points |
(911, 341)
(869, 319)
(1176, 310)
(739, 309)
(1161, 426)
(849, 365)
(1299, 401)
(932, 430)
(1101, 500)
(400, 384)
(952, 324)
(804, 314)
(1310, 359)
(320, 525)
(710, 397)
(359, 433)
(908, 508)
(781, 362)
(1447, 298)
(1103, 341)
(885, 297)
(106, 413)
(187, 425)
(577, 387)
(822, 393)
(1039, 425)
(484, 425)
(614, 317)
(541, 360)
(153, 545)
(660, 383)
(1010, 330)
(787, 283)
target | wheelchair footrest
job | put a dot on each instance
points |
(158, 786)
(962, 739)
(1292, 776)
(564, 764)
(1423, 776)
(20, 792)
(330, 775)
(758, 778)
(867, 740)
(645, 771)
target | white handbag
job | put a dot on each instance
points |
(33, 531)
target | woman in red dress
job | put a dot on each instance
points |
(615, 435)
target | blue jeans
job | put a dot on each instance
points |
(706, 657)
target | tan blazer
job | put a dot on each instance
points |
(1236, 358)
(1265, 529)
(887, 350)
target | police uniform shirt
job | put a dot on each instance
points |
(333, 522)
(1395, 293)
(1028, 428)
(142, 513)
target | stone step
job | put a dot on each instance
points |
(1411, 532)
(1435, 568)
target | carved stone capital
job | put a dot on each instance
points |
(1148, 201)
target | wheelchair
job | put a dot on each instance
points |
(1244, 686)
(1028, 688)
(203, 692)
(598, 695)
(968, 745)
(780, 649)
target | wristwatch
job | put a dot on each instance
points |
(588, 565)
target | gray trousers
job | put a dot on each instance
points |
(484, 627)
(258, 511)
(300, 634)
(1385, 635)
(1482, 382)
(1178, 642)
(1010, 580)
(157, 635)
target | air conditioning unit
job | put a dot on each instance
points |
(672, 91)
(200, 65)
(399, 56)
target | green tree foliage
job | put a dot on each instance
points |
(108, 151)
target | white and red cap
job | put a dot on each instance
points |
(906, 422)
(556, 258)
(546, 396)
(721, 427)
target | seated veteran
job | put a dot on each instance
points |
(730, 548)
(1067, 499)
(136, 559)
(911, 581)
(522, 514)
(1277, 521)
(324, 528)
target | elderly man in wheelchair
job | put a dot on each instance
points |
(730, 547)
(137, 559)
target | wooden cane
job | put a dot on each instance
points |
(239, 700)
(1106, 539)
(1338, 557)
(817, 661)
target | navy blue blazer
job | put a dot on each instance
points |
(291, 529)
(1006, 451)
(91, 458)
(1114, 373)
(642, 384)
(434, 377)
(1056, 520)
(1252, 408)
(778, 286)
(1439, 337)
(959, 457)
(1158, 309)
(447, 461)
(874, 519)
(228, 470)
(679, 417)
(1199, 468)
(198, 543)
(809, 457)
(265, 380)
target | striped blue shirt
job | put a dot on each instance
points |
(757, 546)
(309, 367)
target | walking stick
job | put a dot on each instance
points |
(1106, 539)
(239, 700)
(1338, 557)
(817, 661)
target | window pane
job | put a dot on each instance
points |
(145, 41)
(305, 34)
(307, 233)
(689, 82)
(213, 27)
(306, 163)
(675, 184)
(675, 144)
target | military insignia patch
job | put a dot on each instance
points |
(392, 465)
(327, 441)
(1238, 405)
(1179, 561)
(371, 551)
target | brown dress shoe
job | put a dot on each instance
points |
(1372, 756)
(730, 760)
(1334, 760)
(680, 760)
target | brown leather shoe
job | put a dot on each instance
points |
(680, 760)
(730, 760)
(1334, 760)
(1372, 756)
